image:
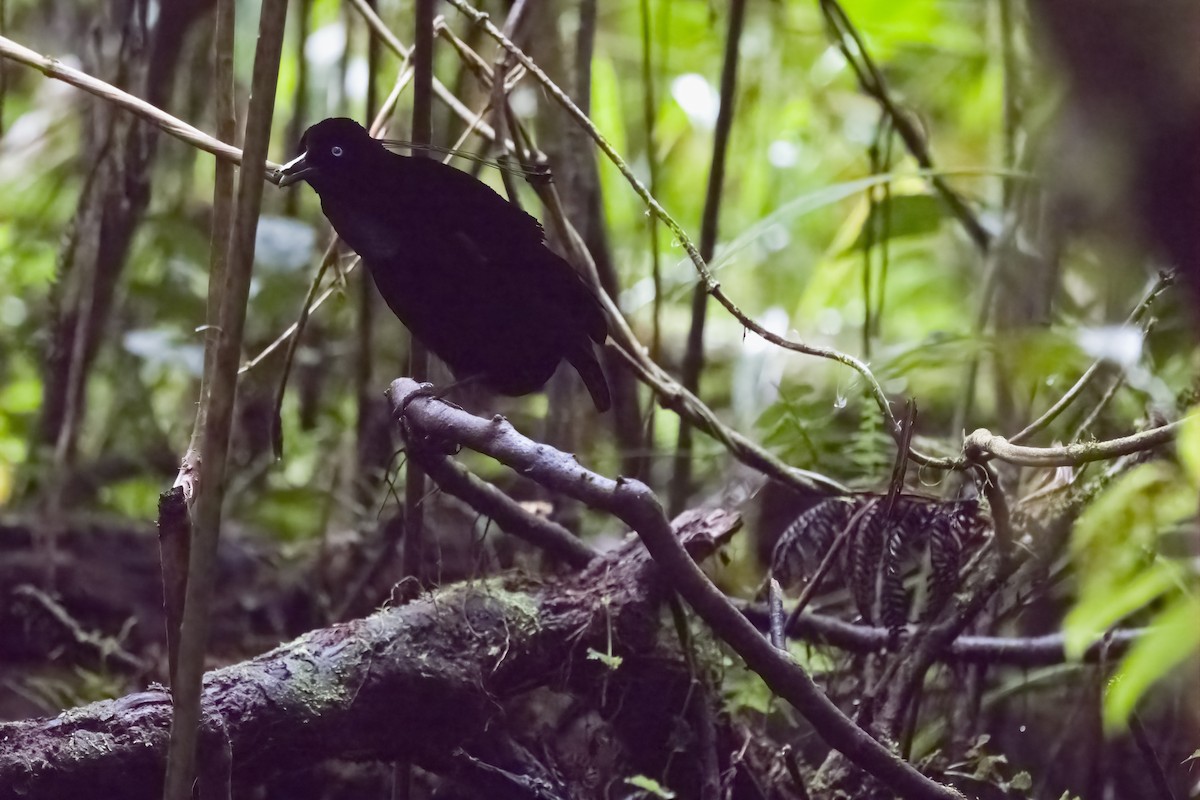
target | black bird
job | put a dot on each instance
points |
(466, 271)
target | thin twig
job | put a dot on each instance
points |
(1094, 415)
(649, 108)
(1015, 651)
(1157, 776)
(418, 356)
(672, 396)
(775, 614)
(306, 308)
(510, 515)
(105, 648)
(445, 95)
(1161, 283)
(53, 68)
(1001, 518)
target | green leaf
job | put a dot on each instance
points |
(1172, 637)
(650, 785)
(1021, 782)
(1115, 548)
(607, 659)
(898, 216)
(1097, 611)
(744, 689)
(1187, 446)
(1120, 528)
(23, 396)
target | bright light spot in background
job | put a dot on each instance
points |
(326, 44)
(28, 135)
(827, 66)
(524, 102)
(1123, 346)
(783, 154)
(164, 348)
(776, 321)
(758, 369)
(698, 99)
(1118, 344)
(283, 244)
(775, 238)
(356, 79)
(28, 129)
(830, 322)
(12, 311)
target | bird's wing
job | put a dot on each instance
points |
(497, 233)
(437, 194)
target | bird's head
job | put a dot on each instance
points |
(331, 148)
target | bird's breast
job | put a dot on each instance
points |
(373, 235)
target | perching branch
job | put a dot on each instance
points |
(982, 444)
(454, 479)
(632, 502)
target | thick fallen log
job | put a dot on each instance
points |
(425, 682)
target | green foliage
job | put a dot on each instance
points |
(26, 264)
(612, 662)
(136, 498)
(650, 787)
(77, 688)
(743, 690)
(1173, 638)
(1188, 446)
(841, 438)
(991, 769)
(897, 217)
(1124, 571)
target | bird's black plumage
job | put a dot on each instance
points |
(468, 272)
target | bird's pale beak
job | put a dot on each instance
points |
(295, 170)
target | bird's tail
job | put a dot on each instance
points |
(583, 359)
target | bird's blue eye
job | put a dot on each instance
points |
(337, 151)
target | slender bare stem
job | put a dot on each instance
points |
(206, 509)
(693, 357)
